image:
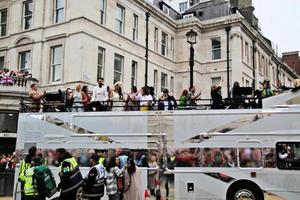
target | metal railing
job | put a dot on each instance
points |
(26, 105)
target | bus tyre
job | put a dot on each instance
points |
(244, 190)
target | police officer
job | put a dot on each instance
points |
(30, 185)
(70, 175)
(93, 188)
(24, 165)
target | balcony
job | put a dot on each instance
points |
(12, 89)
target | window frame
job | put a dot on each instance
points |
(122, 67)
(247, 51)
(102, 12)
(164, 45)
(56, 10)
(3, 24)
(24, 16)
(165, 81)
(172, 84)
(155, 80)
(102, 65)
(54, 65)
(29, 60)
(156, 39)
(135, 27)
(120, 22)
(172, 48)
(134, 65)
(185, 3)
(214, 49)
(2, 68)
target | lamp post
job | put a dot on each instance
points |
(192, 39)
(147, 48)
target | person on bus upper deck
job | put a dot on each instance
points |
(24, 165)
(36, 98)
(100, 96)
(166, 101)
(77, 96)
(193, 97)
(216, 96)
(70, 176)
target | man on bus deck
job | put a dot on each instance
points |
(24, 165)
(70, 176)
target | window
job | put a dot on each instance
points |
(59, 11)
(24, 60)
(243, 81)
(120, 19)
(134, 73)
(118, 68)
(215, 81)
(216, 48)
(267, 69)
(27, 15)
(247, 51)
(172, 47)
(155, 39)
(164, 81)
(288, 154)
(135, 27)
(155, 79)
(186, 16)
(242, 48)
(247, 83)
(164, 44)
(2, 59)
(9, 122)
(3, 22)
(165, 10)
(274, 75)
(172, 84)
(102, 11)
(56, 63)
(183, 6)
(100, 65)
(250, 157)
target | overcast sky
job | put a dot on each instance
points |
(280, 22)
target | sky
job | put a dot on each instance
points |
(280, 22)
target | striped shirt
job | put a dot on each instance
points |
(111, 180)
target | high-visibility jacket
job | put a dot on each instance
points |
(30, 187)
(23, 167)
(74, 179)
(102, 160)
(96, 189)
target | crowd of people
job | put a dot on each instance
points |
(7, 161)
(12, 77)
(116, 171)
(105, 98)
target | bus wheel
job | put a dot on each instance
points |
(244, 190)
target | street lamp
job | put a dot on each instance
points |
(192, 39)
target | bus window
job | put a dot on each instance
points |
(270, 158)
(250, 157)
(288, 155)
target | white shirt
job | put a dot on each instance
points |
(145, 99)
(100, 94)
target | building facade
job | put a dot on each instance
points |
(66, 42)
(292, 59)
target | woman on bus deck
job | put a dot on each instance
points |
(77, 96)
(86, 98)
(116, 97)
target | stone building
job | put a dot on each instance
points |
(66, 42)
